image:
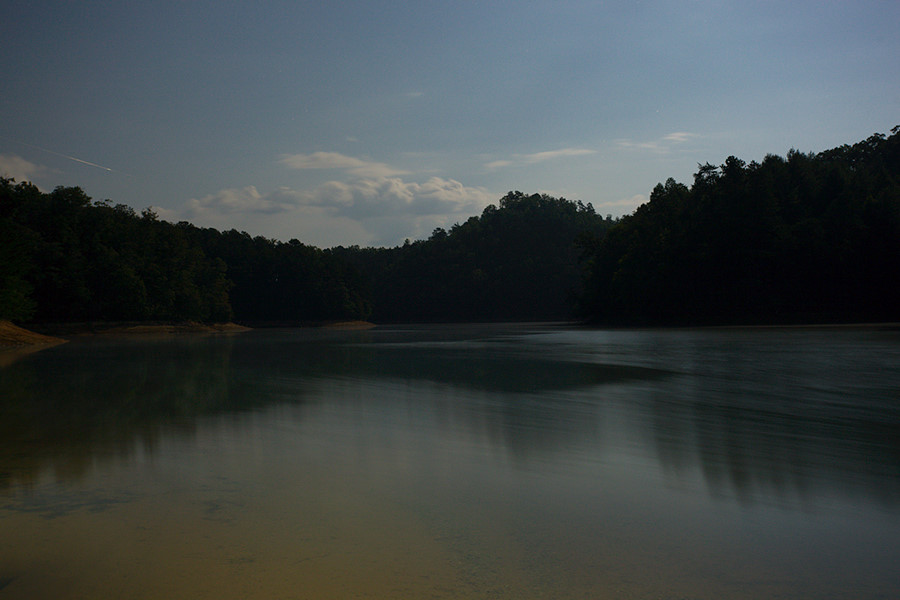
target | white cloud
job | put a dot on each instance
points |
(538, 157)
(394, 197)
(554, 154)
(372, 204)
(236, 200)
(335, 160)
(656, 146)
(18, 168)
(366, 211)
(679, 137)
(661, 145)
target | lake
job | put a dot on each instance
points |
(455, 461)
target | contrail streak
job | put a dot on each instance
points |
(84, 162)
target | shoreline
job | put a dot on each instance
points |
(127, 328)
(16, 342)
(14, 337)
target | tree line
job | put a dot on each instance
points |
(801, 238)
(66, 258)
(806, 237)
(518, 261)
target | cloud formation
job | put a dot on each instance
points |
(367, 198)
(539, 157)
(369, 211)
(16, 167)
(235, 201)
(679, 137)
(661, 145)
(335, 160)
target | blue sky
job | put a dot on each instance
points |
(370, 122)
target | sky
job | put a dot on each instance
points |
(372, 122)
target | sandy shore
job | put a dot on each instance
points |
(167, 329)
(16, 342)
(13, 336)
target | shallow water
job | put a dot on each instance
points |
(492, 461)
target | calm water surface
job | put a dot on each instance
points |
(501, 461)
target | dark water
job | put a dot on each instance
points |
(455, 462)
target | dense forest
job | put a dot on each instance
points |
(801, 238)
(66, 258)
(518, 261)
(806, 238)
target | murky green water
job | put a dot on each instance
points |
(454, 462)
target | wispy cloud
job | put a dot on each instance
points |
(679, 137)
(366, 201)
(12, 165)
(236, 201)
(538, 157)
(661, 145)
(335, 160)
(371, 210)
(367, 198)
(554, 154)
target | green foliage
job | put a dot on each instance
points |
(797, 238)
(80, 261)
(516, 262)
(65, 258)
(17, 247)
(802, 238)
(277, 282)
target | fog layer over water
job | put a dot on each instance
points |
(519, 461)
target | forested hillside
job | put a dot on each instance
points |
(801, 238)
(65, 258)
(809, 237)
(517, 261)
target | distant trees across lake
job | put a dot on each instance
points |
(517, 261)
(64, 258)
(806, 237)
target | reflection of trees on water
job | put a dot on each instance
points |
(757, 426)
(484, 369)
(63, 408)
(752, 439)
(785, 449)
(524, 402)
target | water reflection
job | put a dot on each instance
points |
(446, 462)
(67, 406)
(786, 417)
(764, 417)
